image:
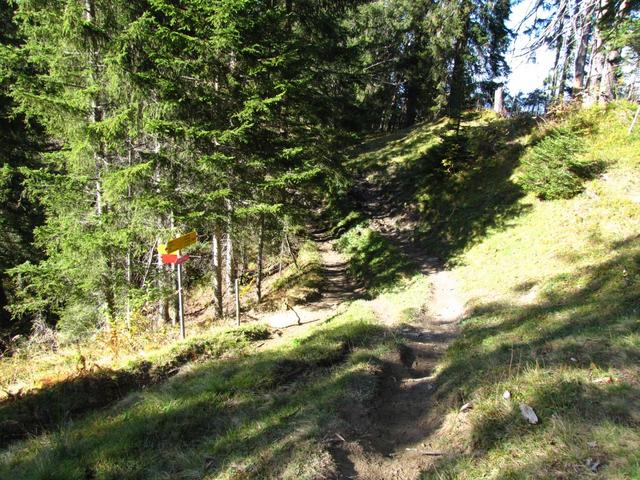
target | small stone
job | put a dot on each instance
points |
(592, 444)
(573, 359)
(593, 464)
(506, 395)
(466, 406)
(528, 414)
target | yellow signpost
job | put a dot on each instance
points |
(179, 243)
(174, 246)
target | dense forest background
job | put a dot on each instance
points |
(126, 123)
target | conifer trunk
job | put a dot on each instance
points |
(611, 60)
(583, 32)
(228, 270)
(216, 252)
(597, 59)
(163, 302)
(260, 253)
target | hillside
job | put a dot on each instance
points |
(461, 287)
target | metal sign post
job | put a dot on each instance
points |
(180, 302)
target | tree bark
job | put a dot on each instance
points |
(260, 252)
(412, 104)
(216, 251)
(5, 319)
(498, 101)
(583, 32)
(611, 59)
(228, 270)
(163, 302)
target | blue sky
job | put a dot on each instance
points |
(525, 75)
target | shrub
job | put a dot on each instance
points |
(555, 167)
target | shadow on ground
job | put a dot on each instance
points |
(47, 409)
(452, 187)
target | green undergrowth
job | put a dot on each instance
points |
(554, 319)
(373, 260)
(49, 407)
(256, 416)
(555, 167)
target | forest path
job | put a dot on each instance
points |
(397, 438)
(336, 291)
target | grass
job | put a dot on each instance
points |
(373, 260)
(554, 319)
(45, 409)
(441, 178)
(551, 289)
(297, 283)
(47, 359)
(229, 418)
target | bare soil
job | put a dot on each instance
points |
(337, 289)
(396, 439)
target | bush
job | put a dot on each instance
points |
(554, 168)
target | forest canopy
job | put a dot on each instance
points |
(126, 123)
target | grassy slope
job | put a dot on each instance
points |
(554, 316)
(551, 287)
(255, 414)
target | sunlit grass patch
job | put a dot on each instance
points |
(299, 282)
(228, 418)
(48, 408)
(373, 260)
(553, 319)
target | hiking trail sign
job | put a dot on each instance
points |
(170, 258)
(178, 243)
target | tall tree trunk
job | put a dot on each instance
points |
(163, 301)
(562, 81)
(260, 252)
(128, 279)
(216, 253)
(5, 319)
(597, 58)
(412, 104)
(498, 101)
(612, 58)
(228, 267)
(608, 77)
(96, 116)
(457, 82)
(583, 32)
(556, 62)
(128, 266)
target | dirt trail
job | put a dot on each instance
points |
(396, 437)
(336, 290)
(396, 440)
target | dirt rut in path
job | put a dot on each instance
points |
(396, 440)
